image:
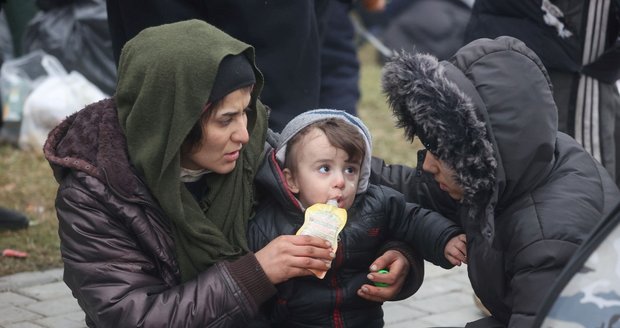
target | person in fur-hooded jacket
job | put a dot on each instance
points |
(527, 195)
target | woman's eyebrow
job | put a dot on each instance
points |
(229, 113)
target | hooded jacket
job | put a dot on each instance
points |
(379, 214)
(531, 193)
(126, 221)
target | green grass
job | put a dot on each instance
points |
(27, 184)
(389, 143)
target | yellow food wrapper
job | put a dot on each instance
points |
(324, 221)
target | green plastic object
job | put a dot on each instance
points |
(382, 284)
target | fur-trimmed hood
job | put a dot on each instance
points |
(488, 112)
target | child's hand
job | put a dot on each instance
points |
(456, 250)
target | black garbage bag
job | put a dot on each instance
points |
(76, 32)
(12, 220)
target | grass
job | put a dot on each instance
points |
(27, 184)
(388, 142)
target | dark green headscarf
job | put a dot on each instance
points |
(165, 78)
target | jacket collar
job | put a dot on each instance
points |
(91, 141)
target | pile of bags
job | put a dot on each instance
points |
(36, 90)
(37, 94)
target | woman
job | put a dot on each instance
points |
(156, 187)
(527, 195)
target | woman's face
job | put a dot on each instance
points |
(223, 135)
(443, 174)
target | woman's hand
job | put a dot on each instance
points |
(398, 267)
(292, 256)
(456, 250)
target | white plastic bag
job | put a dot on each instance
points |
(51, 102)
(18, 77)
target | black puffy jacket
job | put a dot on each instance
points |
(116, 243)
(378, 216)
(545, 194)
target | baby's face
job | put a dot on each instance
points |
(323, 172)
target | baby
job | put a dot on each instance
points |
(324, 155)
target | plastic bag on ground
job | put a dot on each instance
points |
(18, 77)
(51, 102)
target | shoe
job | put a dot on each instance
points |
(12, 220)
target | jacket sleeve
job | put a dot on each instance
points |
(536, 267)
(416, 185)
(606, 67)
(260, 224)
(424, 230)
(118, 284)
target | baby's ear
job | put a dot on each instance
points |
(291, 184)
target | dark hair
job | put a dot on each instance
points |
(193, 140)
(339, 134)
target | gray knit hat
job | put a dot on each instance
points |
(304, 119)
